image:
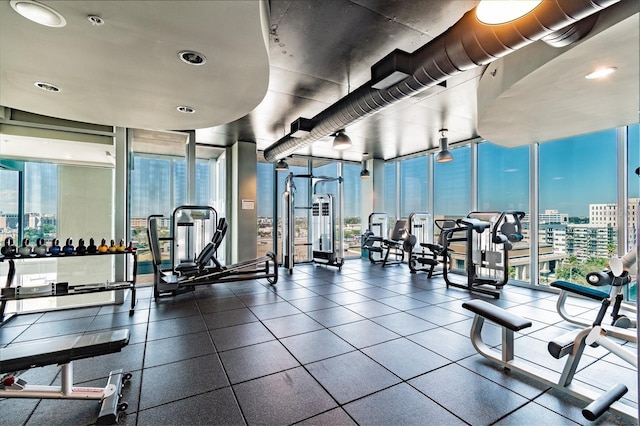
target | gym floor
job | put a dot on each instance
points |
(364, 345)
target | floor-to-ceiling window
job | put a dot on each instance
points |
(633, 194)
(414, 186)
(578, 217)
(265, 206)
(503, 185)
(351, 222)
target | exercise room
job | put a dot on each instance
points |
(320, 212)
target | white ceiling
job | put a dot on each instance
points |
(127, 72)
(262, 73)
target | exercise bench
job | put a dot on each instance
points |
(63, 350)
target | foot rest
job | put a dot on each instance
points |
(589, 292)
(497, 315)
(563, 344)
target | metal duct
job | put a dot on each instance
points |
(467, 44)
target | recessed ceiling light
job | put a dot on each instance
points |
(38, 13)
(46, 86)
(601, 73)
(186, 109)
(192, 58)
(95, 20)
(494, 12)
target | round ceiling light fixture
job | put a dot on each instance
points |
(186, 109)
(495, 12)
(192, 58)
(48, 87)
(38, 13)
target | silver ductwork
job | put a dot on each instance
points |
(467, 44)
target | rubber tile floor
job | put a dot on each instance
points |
(361, 345)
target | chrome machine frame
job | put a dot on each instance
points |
(323, 208)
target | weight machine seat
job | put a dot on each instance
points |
(497, 315)
(61, 350)
(588, 292)
(394, 245)
(476, 224)
(208, 252)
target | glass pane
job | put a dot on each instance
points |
(352, 196)
(633, 188)
(150, 191)
(578, 220)
(413, 186)
(9, 201)
(389, 190)
(41, 200)
(452, 181)
(503, 184)
(265, 208)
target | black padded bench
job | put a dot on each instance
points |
(588, 292)
(63, 351)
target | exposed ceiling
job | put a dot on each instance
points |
(263, 73)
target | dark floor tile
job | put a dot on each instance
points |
(351, 376)
(376, 293)
(400, 405)
(196, 410)
(228, 318)
(210, 305)
(171, 382)
(293, 294)
(337, 416)
(346, 297)
(313, 303)
(183, 305)
(240, 335)
(255, 361)
(53, 329)
(364, 333)
(438, 315)
(282, 398)
(334, 316)
(371, 308)
(534, 414)
(175, 327)
(68, 314)
(117, 320)
(445, 387)
(405, 358)
(316, 345)
(291, 325)
(444, 342)
(402, 302)
(404, 324)
(177, 348)
(274, 310)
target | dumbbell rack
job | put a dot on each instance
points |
(9, 293)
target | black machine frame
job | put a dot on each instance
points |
(205, 269)
(492, 254)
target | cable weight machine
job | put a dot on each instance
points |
(325, 237)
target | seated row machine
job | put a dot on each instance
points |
(206, 268)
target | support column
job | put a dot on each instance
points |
(242, 197)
